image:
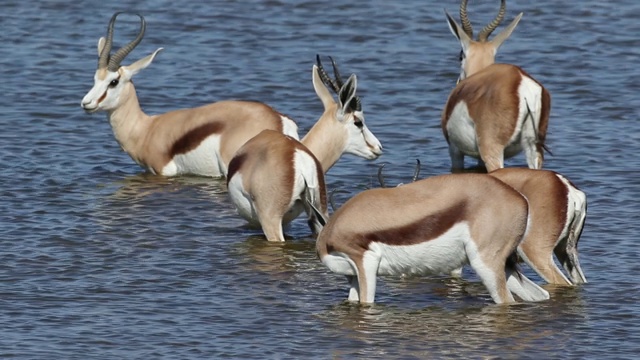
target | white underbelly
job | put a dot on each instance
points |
(440, 255)
(204, 160)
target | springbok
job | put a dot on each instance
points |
(433, 225)
(273, 177)
(557, 209)
(199, 141)
(496, 110)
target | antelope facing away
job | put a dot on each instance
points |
(199, 141)
(496, 110)
(433, 225)
(557, 210)
(274, 177)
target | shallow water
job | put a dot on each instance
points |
(100, 260)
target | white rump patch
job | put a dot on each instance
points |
(576, 201)
(462, 131)
(530, 94)
(304, 173)
(242, 200)
(289, 127)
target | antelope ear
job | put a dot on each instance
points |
(101, 42)
(348, 92)
(506, 32)
(321, 90)
(458, 32)
(131, 70)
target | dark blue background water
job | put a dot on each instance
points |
(99, 260)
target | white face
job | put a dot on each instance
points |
(105, 94)
(361, 141)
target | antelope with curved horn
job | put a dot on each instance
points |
(273, 177)
(431, 226)
(558, 210)
(496, 110)
(199, 141)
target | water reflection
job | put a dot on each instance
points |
(138, 186)
(275, 259)
(463, 331)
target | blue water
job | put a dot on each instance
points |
(100, 260)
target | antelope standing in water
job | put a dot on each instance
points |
(557, 210)
(273, 177)
(198, 141)
(433, 225)
(496, 110)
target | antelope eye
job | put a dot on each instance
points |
(358, 123)
(461, 55)
(113, 83)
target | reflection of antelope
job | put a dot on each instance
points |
(198, 141)
(558, 210)
(431, 226)
(496, 110)
(274, 177)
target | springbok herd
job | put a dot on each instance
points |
(436, 225)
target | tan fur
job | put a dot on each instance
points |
(266, 162)
(149, 139)
(154, 141)
(490, 93)
(418, 212)
(326, 139)
(548, 208)
(494, 119)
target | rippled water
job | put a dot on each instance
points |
(99, 260)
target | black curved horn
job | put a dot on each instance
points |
(326, 79)
(336, 73)
(487, 30)
(116, 59)
(464, 18)
(104, 54)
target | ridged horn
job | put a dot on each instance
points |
(355, 104)
(326, 79)
(336, 73)
(487, 30)
(116, 59)
(103, 60)
(464, 18)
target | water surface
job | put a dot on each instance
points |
(100, 260)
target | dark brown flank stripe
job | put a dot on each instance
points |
(425, 229)
(193, 138)
(235, 165)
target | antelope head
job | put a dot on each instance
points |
(347, 112)
(478, 54)
(112, 82)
